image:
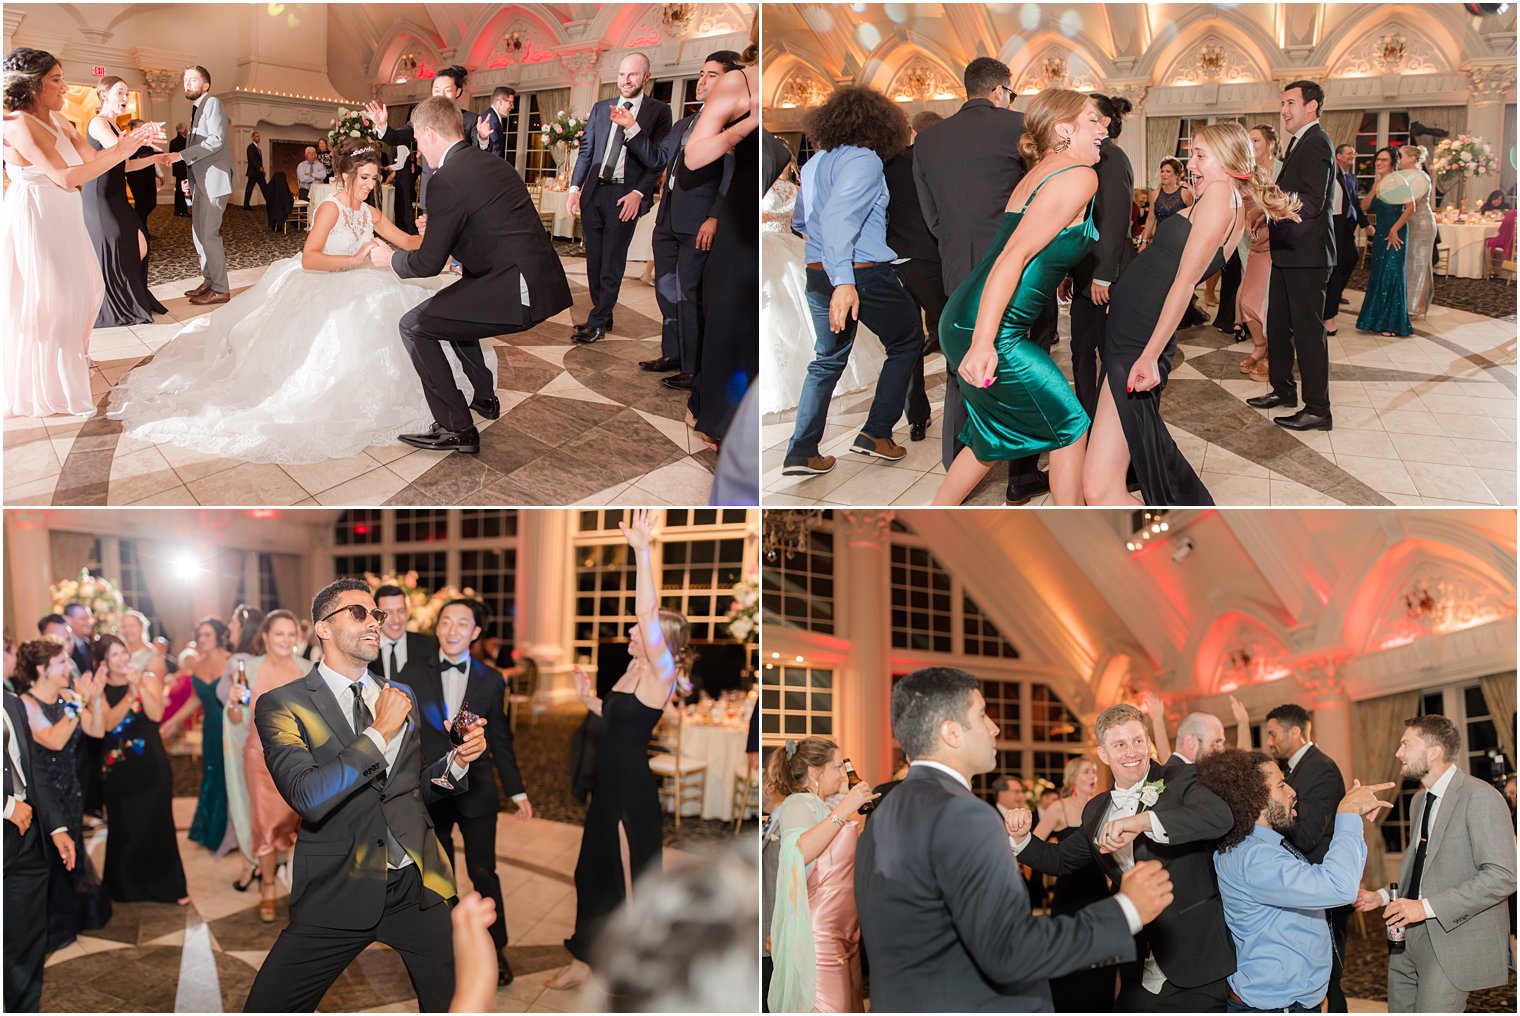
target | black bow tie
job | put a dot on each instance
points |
(463, 666)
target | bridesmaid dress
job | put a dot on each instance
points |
(1419, 271)
(142, 851)
(51, 292)
(272, 823)
(815, 934)
(209, 826)
(1030, 407)
(234, 737)
(1386, 306)
(113, 227)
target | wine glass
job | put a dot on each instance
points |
(458, 729)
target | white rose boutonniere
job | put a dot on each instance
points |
(1150, 791)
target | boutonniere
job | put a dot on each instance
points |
(1150, 791)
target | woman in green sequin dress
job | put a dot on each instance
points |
(1018, 402)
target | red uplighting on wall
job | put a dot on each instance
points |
(263, 513)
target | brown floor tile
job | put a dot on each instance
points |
(561, 478)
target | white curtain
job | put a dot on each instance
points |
(1160, 143)
(1376, 725)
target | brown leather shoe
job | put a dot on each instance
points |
(881, 447)
(198, 290)
(813, 466)
(210, 296)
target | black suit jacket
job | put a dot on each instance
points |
(639, 173)
(419, 646)
(480, 213)
(335, 779)
(497, 145)
(1190, 940)
(404, 135)
(946, 918)
(1353, 192)
(79, 652)
(255, 160)
(1308, 172)
(694, 197)
(1317, 782)
(181, 171)
(1114, 252)
(484, 691)
(907, 233)
(965, 167)
(47, 811)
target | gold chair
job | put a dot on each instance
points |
(299, 214)
(545, 216)
(683, 778)
(746, 792)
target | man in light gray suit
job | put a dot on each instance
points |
(210, 162)
(1457, 874)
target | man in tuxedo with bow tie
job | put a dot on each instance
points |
(345, 751)
(1162, 813)
(684, 228)
(447, 680)
(1349, 217)
(611, 186)
(34, 825)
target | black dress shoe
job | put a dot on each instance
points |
(588, 334)
(577, 329)
(1304, 420)
(682, 382)
(1271, 400)
(662, 365)
(917, 431)
(440, 440)
(504, 975)
(1030, 488)
(489, 407)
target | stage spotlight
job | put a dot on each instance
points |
(187, 564)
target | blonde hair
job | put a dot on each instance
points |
(1231, 147)
(1069, 774)
(1420, 154)
(1051, 107)
(677, 632)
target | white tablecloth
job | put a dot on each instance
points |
(641, 249)
(1466, 242)
(721, 746)
(319, 192)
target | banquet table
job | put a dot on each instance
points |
(721, 746)
(642, 247)
(1466, 242)
(319, 192)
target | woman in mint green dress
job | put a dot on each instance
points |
(1018, 403)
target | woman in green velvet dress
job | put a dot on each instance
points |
(1018, 403)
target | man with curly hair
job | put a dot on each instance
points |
(1275, 898)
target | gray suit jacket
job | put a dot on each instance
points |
(208, 154)
(1469, 873)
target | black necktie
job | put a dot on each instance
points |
(1290, 848)
(1412, 890)
(392, 673)
(609, 167)
(1289, 153)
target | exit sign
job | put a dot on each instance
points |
(99, 72)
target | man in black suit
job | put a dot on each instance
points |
(684, 228)
(398, 647)
(1101, 268)
(921, 272)
(33, 817)
(345, 751)
(1317, 781)
(1161, 813)
(81, 635)
(1349, 217)
(965, 168)
(445, 681)
(481, 214)
(255, 172)
(944, 916)
(493, 136)
(447, 84)
(181, 171)
(1303, 253)
(611, 186)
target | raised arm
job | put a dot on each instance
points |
(639, 531)
(1282, 880)
(710, 140)
(1242, 724)
(1151, 703)
(28, 139)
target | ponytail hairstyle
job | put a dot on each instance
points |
(677, 632)
(1115, 108)
(1270, 133)
(786, 771)
(1231, 147)
(24, 70)
(1051, 107)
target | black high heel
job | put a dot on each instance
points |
(253, 876)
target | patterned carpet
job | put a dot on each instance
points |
(1366, 976)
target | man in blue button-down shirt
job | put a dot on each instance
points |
(842, 210)
(1274, 898)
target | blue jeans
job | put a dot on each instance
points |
(888, 310)
(1233, 1004)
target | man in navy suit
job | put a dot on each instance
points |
(611, 187)
(1349, 217)
(493, 138)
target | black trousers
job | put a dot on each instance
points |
(255, 180)
(26, 882)
(424, 334)
(1088, 324)
(479, 835)
(607, 239)
(1209, 997)
(678, 268)
(1229, 285)
(181, 205)
(307, 959)
(1296, 328)
(1346, 256)
(1340, 917)
(924, 280)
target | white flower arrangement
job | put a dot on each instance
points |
(422, 606)
(352, 123)
(100, 595)
(1464, 155)
(565, 129)
(744, 612)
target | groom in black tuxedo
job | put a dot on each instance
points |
(480, 213)
(944, 915)
(345, 751)
(1182, 960)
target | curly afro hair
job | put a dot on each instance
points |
(1235, 776)
(858, 116)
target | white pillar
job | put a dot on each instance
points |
(864, 687)
(28, 571)
(1331, 708)
(1485, 119)
(543, 598)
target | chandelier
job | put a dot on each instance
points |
(784, 533)
(512, 42)
(1420, 604)
(1390, 51)
(677, 19)
(1054, 71)
(406, 67)
(1146, 526)
(800, 91)
(1211, 61)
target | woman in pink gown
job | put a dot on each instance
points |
(1252, 294)
(52, 288)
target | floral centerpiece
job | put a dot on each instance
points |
(423, 606)
(563, 135)
(744, 612)
(98, 594)
(352, 123)
(1032, 791)
(1457, 159)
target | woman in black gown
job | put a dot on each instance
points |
(142, 852)
(1085, 990)
(121, 246)
(1145, 306)
(143, 186)
(59, 718)
(624, 829)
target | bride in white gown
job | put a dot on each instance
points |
(307, 365)
(788, 335)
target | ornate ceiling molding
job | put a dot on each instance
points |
(1213, 59)
(923, 80)
(1391, 47)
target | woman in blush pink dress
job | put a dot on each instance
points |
(51, 286)
(1252, 295)
(272, 823)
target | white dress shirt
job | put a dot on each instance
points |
(618, 171)
(13, 745)
(1439, 789)
(386, 647)
(1298, 756)
(454, 681)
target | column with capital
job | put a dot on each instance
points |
(1330, 705)
(1492, 85)
(542, 596)
(863, 686)
(162, 86)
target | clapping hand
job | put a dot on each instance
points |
(639, 529)
(144, 134)
(1018, 821)
(379, 114)
(624, 118)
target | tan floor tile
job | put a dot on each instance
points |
(139, 475)
(248, 484)
(1448, 481)
(316, 477)
(371, 488)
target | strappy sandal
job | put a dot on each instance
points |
(267, 910)
(1250, 363)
